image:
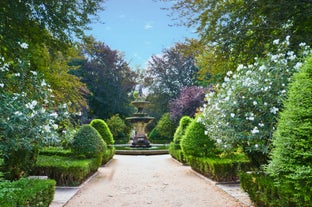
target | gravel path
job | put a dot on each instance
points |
(139, 181)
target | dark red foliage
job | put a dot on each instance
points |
(190, 99)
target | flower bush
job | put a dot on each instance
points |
(243, 110)
(28, 116)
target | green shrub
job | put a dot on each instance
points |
(18, 163)
(55, 151)
(291, 157)
(223, 169)
(262, 190)
(88, 142)
(120, 131)
(101, 126)
(67, 171)
(164, 129)
(27, 192)
(176, 153)
(180, 131)
(196, 143)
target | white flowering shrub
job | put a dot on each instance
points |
(243, 111)
(28, 115)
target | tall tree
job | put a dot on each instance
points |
(108, 77)
(237, 31)
(44, 22)
(167, 74)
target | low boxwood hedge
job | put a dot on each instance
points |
(108, 154)
(27, 192)
(67, 171)
(263, 192)
(224, 169)
(176, 153)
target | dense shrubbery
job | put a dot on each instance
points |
(27, 192)
(29, 118)
(164, 130)
(243, 112)
(88, 142)
(291, 164)
(195, 143)
(68, 171)
(101, 126)
(120, 131)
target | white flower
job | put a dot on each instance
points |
(23, 45)
(54, 114)
(219, 141)
(226, 79)
(298, 65)
(229, 73)
(232, 115)
(256, 145)
(276, 42)
(17, 74)
(240, 67)
(255, 130)
(47, 128)
(261, 124)
(1, 85)
(273, 110)
(206, 132)
(248, 72)
(254, 103)
(18, 113)
(55, 126)
(43, 83)
(262, 68)
(33, 72)
(302, 44)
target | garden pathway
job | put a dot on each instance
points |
(139, 181)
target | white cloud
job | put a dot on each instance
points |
(148, 26)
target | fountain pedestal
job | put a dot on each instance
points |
(140, 120)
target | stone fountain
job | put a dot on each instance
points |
(140, 120)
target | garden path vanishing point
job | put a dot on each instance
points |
(152, 181)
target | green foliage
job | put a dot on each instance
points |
(239, 31)
(101, 126)
(223, 169)
(196, 143)
(43, 22)
(176, 153)
(165, 127)
(243, 110)
(119, 129)
(180, 131)
(291, 157)
(88, 142)
(29, 119)
(27, 192)
(108, 77)
(67, 171)
(263, 191)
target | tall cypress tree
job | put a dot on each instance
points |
(291, 163)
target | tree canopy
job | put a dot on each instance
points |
(238, 31)
(108, 77)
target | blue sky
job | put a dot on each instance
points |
(138, 28)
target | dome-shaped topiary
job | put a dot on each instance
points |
(184, 122)
(101, 126)
(196, 143)
(291, 163)
(88, 142)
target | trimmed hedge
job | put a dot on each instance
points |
(263, 192)
(220, 169)
(101, 126)
(67, 171)
(176, 153)
(88, 142)
(27, 192)
(196, 143)
(108, 155)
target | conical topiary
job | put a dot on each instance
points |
(184, 122)
(88, 142)
(291, 157)
(101, 126)
(196, 143)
